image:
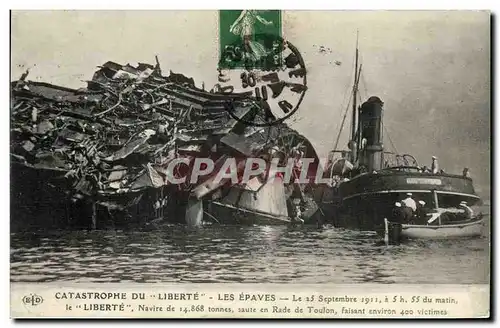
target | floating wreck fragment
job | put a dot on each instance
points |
(98, 156)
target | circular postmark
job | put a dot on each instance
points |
(272, 74)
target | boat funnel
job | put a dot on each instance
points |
(370, 126)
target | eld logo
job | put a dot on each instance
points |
(32, 300)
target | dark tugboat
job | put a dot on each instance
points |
(368, 181)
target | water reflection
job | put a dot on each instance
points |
(243, 254)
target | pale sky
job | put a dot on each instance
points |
(432, 69)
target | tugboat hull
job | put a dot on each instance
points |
(369, 198)
(393, 180)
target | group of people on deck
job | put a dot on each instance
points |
(409, 211)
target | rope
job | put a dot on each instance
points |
(366, 95)
(343, 121)
(348, 89)
(390, 140)
(364, 84)
(343, 102)
(363, 79)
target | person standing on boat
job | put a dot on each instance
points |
(401, 214)
(409, 202)
(397, 218)
(469, 213)
(421, 212)
(397, 213)
(434, 165)
(407, 214)
(298, 214)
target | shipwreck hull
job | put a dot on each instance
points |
(38, 198)
(99, 156)
(231, 215)
(41, 198)
(240, 206)
(368, 198)
(273, 204)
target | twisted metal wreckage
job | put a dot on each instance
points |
(97, 156)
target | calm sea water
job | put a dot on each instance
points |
(272, 254)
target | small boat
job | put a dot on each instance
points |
(394, 233)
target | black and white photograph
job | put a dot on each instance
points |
(290, 147)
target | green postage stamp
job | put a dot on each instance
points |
(250, 39)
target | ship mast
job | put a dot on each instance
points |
(354, 128)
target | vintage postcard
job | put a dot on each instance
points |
(250, 164)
